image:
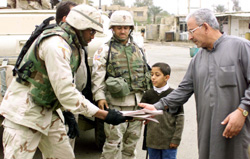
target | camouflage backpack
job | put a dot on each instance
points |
(31, 70)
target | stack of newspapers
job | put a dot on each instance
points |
(143, 114)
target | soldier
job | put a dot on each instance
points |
(33, 4)
(62, 10)
(142, 32)
(44, 84)
(82, 85)
(11, 3)
(119, 78)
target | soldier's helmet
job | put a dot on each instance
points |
(84, 17)
(121, 18)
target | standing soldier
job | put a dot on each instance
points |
(120, 76)
(11, 3)
(44, 83)
(33, 4)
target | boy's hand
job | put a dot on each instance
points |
(147, 106)
(146, 122)
(173, 146)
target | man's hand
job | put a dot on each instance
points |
(115, 117)
(235, 122)
(102, 104)
(147, 106)
(72, 124)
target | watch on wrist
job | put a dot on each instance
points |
(244, 112)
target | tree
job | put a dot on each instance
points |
(154, 11)
(142, 3)
(164, 13)
(220, 8)
(236, 6)
(118, 2)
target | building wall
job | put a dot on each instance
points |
(236, 24)
(139, 13)
(243, 27)
(180, 28)
(239, 26)
(167, 27)
(152, 32)
(235, 27)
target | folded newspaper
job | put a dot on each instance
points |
(143, 114)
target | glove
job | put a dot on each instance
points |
(72, 124)
(115, 117)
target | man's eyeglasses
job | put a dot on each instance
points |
(191, 32)
(92, 32)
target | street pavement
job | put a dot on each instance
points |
(176, 54)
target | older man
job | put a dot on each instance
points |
(219, 77)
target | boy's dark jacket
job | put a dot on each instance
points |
(169, 130)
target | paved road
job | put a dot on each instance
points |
(177, 56)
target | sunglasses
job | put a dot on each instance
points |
(92, 32)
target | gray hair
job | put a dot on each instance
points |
(204, 15)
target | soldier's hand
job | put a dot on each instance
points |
(103, 104)
(72, 124)
(115, 117)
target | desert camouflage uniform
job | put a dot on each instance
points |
(133, 71)
(33, 4)
(249, 149)
(11, 3)
(36, 125)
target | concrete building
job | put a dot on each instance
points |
(162, 32)
(236, 23)
(140, 14)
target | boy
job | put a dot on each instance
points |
(162, 139)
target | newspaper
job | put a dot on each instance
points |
(143, 114)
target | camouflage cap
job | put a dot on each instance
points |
(84, 17)
(121, 18)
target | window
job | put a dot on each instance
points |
(139, 14)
